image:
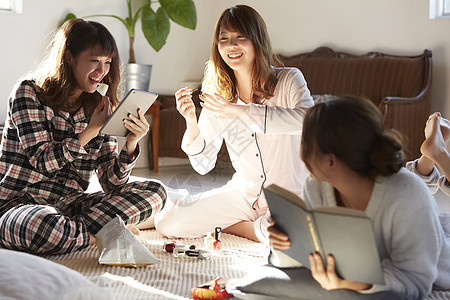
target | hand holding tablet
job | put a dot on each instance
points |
(134, 100)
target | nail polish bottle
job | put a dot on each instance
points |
(169, 246)
(194, 246)
(180, 250)
(208, 240)
(217, 244)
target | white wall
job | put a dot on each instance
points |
(357, 26)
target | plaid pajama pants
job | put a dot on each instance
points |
(65, 226)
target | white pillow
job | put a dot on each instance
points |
(26, 276)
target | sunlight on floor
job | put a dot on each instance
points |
(176, 176)
(133, 283)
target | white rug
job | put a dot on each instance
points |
(173, 277)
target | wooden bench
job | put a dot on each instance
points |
(399, 85)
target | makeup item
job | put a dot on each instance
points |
(188, 93)
(199, 253)
(191, 92)
(214, 289)
(169, 246)
(179, 250)
(208, 240)
(217, 244)
(194, 246)
(102, 88)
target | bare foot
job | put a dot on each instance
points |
(434, 145)
(92, 240)
(445, 128)
(134, 229)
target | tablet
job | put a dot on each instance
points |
(133, 100)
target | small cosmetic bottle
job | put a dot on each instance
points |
(217, 244)
(194, 246)
(180, 250)
(208, 240)
(169, 246)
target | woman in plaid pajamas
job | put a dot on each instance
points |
(51, 147)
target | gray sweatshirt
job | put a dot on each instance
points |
(414, 252)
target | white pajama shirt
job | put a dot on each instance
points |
(435, 181)
(264, 148)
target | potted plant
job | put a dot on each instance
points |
(155, 27)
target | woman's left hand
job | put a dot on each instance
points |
(328, 278)
(278, 239)
(222, 107)
(138, 127)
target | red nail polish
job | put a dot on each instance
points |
(217, 244)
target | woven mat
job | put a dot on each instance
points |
(173, 277)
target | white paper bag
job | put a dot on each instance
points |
(119, 247)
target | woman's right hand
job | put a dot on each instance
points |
(278, 239)
(101, 113)
(98, 119)
(185, 105)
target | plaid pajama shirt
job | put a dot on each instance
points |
(44, 171)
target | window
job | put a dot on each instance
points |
(446, 8)
(12, 6)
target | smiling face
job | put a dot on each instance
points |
(236, 50)
(89, 68)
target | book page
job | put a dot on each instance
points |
(340, 210)
(287, 195)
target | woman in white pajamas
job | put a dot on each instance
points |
(258, 110)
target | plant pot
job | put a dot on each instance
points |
(136, 76)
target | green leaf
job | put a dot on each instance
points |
(68, 17)
(182, 12)
(155, 26)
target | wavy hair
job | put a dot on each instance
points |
(54, 76)
(219, 77)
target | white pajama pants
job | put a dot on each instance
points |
(193, 215)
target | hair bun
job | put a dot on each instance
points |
(387, 156)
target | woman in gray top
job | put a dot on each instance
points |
(355, 163)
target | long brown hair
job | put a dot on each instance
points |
(54, 76)
(353, 130)
(219, 77)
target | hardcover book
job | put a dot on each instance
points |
(345, 233)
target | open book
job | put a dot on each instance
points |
(345, 233)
